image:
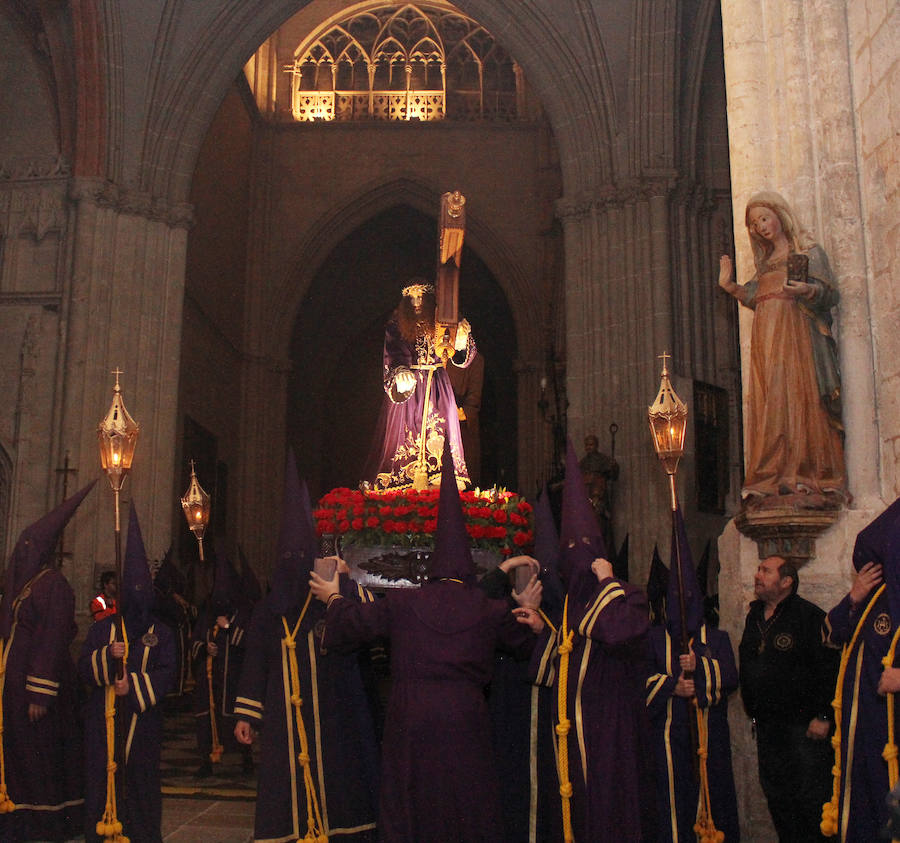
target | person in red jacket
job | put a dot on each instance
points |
(104, 604)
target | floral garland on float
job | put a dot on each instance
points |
(497, 520)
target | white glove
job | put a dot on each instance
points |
(463, 329)
(405, 381)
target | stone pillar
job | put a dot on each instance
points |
(790, 123)
(618, 320)
(123, 309)
(264, 383)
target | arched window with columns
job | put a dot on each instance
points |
(405, 62)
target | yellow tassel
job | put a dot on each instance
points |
(830, 810)
(564, 725)
(7, 806)
(890, 748)
(315, 832)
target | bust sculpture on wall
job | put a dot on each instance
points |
(794, 435)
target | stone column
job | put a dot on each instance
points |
(264, 383)
(123, 309)
(619, 318)
(790, 122)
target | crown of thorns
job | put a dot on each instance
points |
(418, 289)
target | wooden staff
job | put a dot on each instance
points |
(216, 753)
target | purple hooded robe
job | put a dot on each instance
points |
(37, 625)
(864, 721)
(152, 665)
(335, 710)
(438, 778)
(607, 744)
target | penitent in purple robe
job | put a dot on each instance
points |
(608, 746)
(395, 450)
(438, 780)
(715, 678)
(336, 717)
(152, 666)
(864, 720)
(43, 759)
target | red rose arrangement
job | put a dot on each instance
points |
(496, 520)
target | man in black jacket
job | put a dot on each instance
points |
(787, 684)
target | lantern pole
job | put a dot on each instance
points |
(668, 424)
(117, 436)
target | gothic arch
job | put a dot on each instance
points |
(336, 223)
(181, 110)
(696, 51)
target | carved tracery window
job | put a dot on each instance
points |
(411, 62)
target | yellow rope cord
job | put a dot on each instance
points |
(890, 748)
(6, 803)
(215, 755)
(315, 833)
(109, 826)
(564, 725)
(704, 827)
(546, 620)
(830, 809)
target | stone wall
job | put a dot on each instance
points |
(874, 30)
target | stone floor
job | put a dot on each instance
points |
(194, 810)
(207, 820)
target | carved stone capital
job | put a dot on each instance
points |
(34, 168)
(127, 200)
(618, 195)
(786, 530)
(572, 209)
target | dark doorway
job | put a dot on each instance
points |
(335, 388)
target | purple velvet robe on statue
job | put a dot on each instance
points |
(152, 666)
(608, 744)
(438, 776)
(43, 759)
(395, 452)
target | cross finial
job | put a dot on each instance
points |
(664, 357)
(192, 468)
(117, 371)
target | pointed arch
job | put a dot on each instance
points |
(344, 217)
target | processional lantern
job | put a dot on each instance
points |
(195, 503)
(117, 436)
(668, 424)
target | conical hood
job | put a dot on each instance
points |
(169, 580)
(250, 587)
(620, 566)
(33, 551)
(136, 592)
(226, 590)
(703, 569)
(880, 542)
(297, 544)
(546, 551)
(657, 586)
(693, 602)
(452, 554)
(581, 541)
